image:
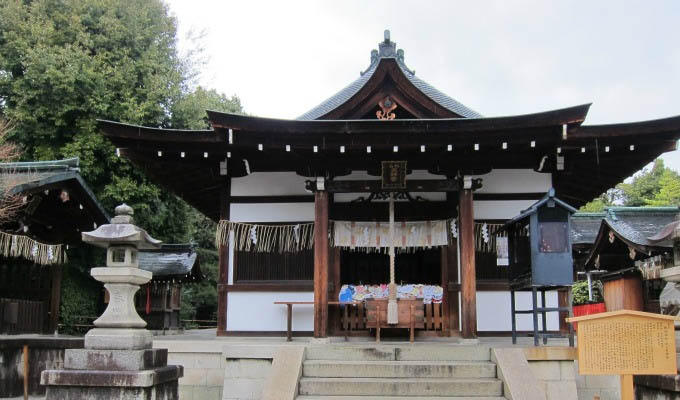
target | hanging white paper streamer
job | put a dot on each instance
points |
(253, 234)
(485, 233)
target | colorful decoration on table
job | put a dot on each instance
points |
(266, 238)
(24, 247)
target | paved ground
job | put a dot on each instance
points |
(496, 341)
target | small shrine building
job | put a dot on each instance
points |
(302, 203)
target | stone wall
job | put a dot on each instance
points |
(558, 373)
(44, 352)
(556, 377)
(608, 387)
(214, 370)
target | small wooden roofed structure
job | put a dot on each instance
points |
(624, 236)
(56, 206)
(415, 122)
(172, 265)
(584, 229)
(59, 204)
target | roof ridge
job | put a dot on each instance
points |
(67, 164)
(387, 49)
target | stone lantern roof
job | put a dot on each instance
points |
(121, 231)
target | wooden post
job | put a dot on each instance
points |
(445, 288)
(377, 322)
(334, 314)
(627, 390)
(55, 300)
(26, 372)
(223, 252)
(289, 332)
(320, 264)
(467, 260)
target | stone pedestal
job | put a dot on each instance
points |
(114, 374)
(118, 361)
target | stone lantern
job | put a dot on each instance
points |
(118, 360)
(120, 325)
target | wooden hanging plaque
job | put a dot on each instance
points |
(626, 342)
(393, 175)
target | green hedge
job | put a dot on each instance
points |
(579, 291)
(81, 299)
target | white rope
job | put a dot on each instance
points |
(392, 309)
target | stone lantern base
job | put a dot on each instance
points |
(114, 374)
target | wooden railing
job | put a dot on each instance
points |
(22, 316)
(353, 317)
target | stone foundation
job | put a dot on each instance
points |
(119, 374)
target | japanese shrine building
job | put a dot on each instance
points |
(282, 184)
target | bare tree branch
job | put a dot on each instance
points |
(10, 203)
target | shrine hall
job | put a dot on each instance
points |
(389, 188)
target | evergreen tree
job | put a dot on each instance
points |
(658, 186)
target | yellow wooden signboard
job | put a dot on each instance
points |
(626, 343)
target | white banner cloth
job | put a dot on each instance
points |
(377, 234)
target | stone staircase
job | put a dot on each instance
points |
(399, 372)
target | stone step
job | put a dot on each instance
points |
(351, 353)
(401, 387)
(396, 398)
(443, 353)
(398, 369)
(399, 353)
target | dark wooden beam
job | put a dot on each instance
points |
(223, 280)
(370, 186)
(321, 259)
(55, 299)
(241, 124)
(467, 259)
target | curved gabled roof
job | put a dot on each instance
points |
(388, 50)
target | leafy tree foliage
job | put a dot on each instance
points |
(65, 64)
(658, 186)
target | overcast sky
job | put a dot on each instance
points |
(496, 57)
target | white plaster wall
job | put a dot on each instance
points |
(256, 311)
(269, 184)
(514, 181)
(493, 311)
(496, 209)
(272, 212)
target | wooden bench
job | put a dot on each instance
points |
(289, 304)
(411, 315)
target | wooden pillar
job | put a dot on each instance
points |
(55, 299)
(320, 264)
(334, 313)
(467, 261)
(223, 252)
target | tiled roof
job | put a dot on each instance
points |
(637, 224)
(171, 261)
(388, 49)
(585, 226)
